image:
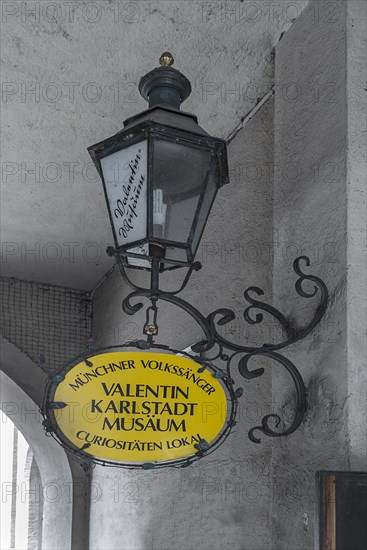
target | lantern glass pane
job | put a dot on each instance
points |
(178, 180)
(205, 204)
(142, 250)
(125, 179)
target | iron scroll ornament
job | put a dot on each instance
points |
(226, 350)
(209, 353)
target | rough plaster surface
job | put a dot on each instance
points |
(317, 211)
(356, 248)
(69, 79)
(221, 502)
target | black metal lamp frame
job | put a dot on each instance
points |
(150, 131)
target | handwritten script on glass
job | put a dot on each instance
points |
(125, 174)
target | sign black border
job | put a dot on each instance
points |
(52, 429)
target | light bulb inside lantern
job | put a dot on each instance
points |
(159, 213)
(159, 220)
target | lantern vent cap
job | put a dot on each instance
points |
(165, 85)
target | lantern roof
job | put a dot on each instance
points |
(167, 116)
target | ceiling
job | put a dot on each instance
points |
(70, 73)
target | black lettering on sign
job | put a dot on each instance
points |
(126, 206)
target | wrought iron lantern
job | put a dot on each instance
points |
(160, 175)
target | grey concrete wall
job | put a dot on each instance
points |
(356, 226)
(77, 67)
(221, 502)
(319, 189)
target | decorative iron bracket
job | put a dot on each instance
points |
(224, 349)
(215, 353)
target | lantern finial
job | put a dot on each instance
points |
(165, 86)
(166, 59)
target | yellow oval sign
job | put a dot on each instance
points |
(139, 406)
